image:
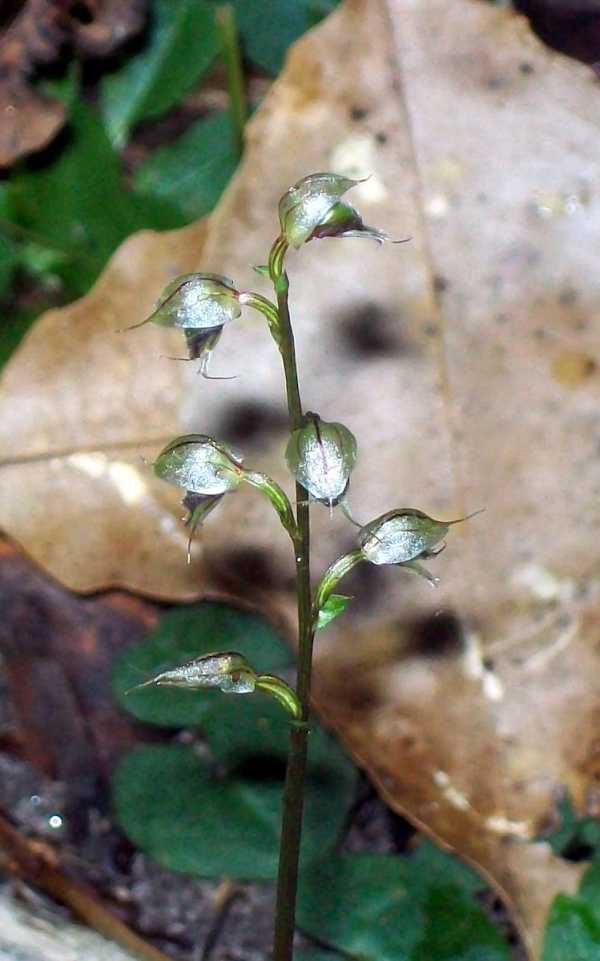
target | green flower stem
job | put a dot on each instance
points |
(230, 51)
(267, 309)
(278, 498)
(278, 689)
(333, 575)
(293, 795)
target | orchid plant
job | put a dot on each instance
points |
(320, 456)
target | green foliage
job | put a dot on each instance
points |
(77, 208)
(317, 954)
(191, 174)
(385, 908)
(211, 819)
(573, 928)
(8, 263)
(576, 836)
(268, 27)
(335, 605)
(180, 48)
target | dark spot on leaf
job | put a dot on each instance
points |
(571, 26)
(381, 137)
(81, 12)
(438, 635)
(359, 697)
(248, 421)
(373, 826)
(440, 284)
(248, 569)
(358, 113)
(567, 296)
(370, 331)
(526, 68)
(365, 584)
(262, 767)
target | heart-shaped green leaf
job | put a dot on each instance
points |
(387, 908)
(192, 818)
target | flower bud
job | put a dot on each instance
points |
(231, 673)
(400, 536)
(312, 208)
(200, 464)
(227, 670)
(197, 302)
(321, 456)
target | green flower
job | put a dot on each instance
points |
(400, 536)
(313, 208)
(321, 456)
(197, 302)
(231, 673)
(200, 465)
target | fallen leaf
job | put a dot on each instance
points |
(440, 355)
(36, 36)
(103, 26)
(30, 120)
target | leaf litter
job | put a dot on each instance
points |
(474, 708)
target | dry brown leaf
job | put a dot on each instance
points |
(465, 362)
(37, 36)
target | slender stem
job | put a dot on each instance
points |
(230, 51)
(293, 795)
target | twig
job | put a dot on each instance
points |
(37, 863)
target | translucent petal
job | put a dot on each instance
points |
(400, 536)
(200, 464)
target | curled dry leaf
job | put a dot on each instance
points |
(473, 371)
(36, 37)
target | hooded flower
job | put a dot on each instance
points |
(200, 305)
(313, 208)
(197, 302)
(200, 465)
(400, 536)
(321, 456)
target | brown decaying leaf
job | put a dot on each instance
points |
(446, 357)
(37, 37)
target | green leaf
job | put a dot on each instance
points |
(181, 46)
(573, 927)
(335, 605)
(192, 818)
(189, 632)
(191, 174)
(9, 260)
(268, 27)
(576, 837)
(387, 908)
(317, 954)
(174, 804)
(77, 207)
